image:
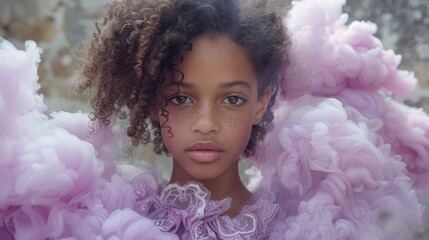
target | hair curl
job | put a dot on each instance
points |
(138, 43)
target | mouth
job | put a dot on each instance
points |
(204, 151)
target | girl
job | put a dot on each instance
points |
(198, 79)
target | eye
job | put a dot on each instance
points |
(180, 99)
(234, 100)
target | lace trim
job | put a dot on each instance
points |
(188, 212)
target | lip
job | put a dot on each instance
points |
(204, 151)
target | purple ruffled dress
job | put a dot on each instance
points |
(188, 212)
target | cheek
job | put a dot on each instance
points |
(169, 120)
(171, 127)
(238, 125)
(237, 120)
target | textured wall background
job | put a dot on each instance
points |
(60, 25)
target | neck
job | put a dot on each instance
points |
(226, 185)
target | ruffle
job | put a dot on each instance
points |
(189, 212)
(350, 158)
(340, 179)
(58, 181)
(329, 56)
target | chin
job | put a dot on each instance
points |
(203, 176)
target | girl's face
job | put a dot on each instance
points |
(211, 112)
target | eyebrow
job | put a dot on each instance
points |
(182, 84)
(237, 83)
(224, 85)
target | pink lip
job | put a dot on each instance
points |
(204, 151)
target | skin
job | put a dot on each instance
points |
(217, 101)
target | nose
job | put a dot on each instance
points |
(206, 120)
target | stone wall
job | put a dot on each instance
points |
(58, 26)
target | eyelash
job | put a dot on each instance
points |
(239, 100)
(174, 99)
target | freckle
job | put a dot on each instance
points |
(230, 122)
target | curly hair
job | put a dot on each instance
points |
(138, 43)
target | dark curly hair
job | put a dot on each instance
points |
(138, 43)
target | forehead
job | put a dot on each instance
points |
(215, 60)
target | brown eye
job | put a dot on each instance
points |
(234, 100)
(179, 100)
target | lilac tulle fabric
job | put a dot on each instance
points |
(189, 212)
(346, 161)
(57, 181)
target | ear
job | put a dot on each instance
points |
(261, 105)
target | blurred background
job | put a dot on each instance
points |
(58, 26)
